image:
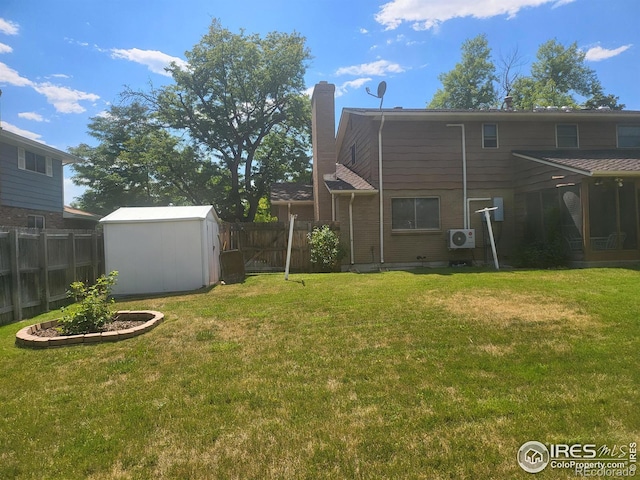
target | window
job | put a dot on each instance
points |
(489, 135)
(567, 136)
(353, 154)
(34, 162)
(628, 136)
(35, 221)
(415, 213)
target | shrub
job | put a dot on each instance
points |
(326, 250)
(94, 308)
(551, 254)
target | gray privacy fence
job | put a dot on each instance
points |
(37, 267)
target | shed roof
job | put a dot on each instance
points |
(159, 214)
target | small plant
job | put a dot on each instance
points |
(326, 250)
(94, 308)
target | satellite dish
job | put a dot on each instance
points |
(382, 88)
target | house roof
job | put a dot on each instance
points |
(159, 214)
(588, 162)
(74, 213)
(18, 140)
(284, 193)
(345, 180)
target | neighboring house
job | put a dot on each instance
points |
(405, 183)
(75, 219)
(292, 199)
(31, 183)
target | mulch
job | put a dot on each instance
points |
(109, 327)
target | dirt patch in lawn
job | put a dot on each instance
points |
(506, 307)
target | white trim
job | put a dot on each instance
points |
(48, 166)
(552, 164)
(22, 163)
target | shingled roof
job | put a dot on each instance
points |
(284, 193)
(588, 162)
(346, 180)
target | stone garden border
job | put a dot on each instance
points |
(24, 337)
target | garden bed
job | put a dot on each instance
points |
(126, 324)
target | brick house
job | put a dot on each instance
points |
(405, 183)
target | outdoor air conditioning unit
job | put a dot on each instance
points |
(462, 238)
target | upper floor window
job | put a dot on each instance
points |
(489, 135)
(567, 136)
(415, 213)
(628, 136)
(34, 162)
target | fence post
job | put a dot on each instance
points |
(72, 260)
(44, 266)
(94, 257)
(15, 275)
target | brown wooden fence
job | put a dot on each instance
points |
(264, 245)
(37, 267)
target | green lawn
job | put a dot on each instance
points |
(429, 374)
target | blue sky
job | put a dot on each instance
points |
(65, 61)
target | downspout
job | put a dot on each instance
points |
(380, 188)
(353, 195)
(465, 214)
(333, 207)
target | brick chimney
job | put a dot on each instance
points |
(323, 138)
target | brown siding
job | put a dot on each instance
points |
(360, 133)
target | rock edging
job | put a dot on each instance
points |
(25, 337)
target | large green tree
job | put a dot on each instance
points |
(241, 99)
(137, 163)
(559, 77)
(471, 82)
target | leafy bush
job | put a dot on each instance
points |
(326, 250)
(94, 308)
(551, 254)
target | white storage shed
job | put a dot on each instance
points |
(162, 249)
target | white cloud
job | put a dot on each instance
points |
(65, 100)
(8, 27)
(154, 60)
(24, 133)
(351, 85)
(36, 117)
(59, 75)
(364, 31)
(9, 76)
(596, 54)
(377, 68)
(5, 48)
(428, 14)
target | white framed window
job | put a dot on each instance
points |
(628, 136)
(489, 135)
(422, 213)
(34, 162)
(35, 221)
(567, 136)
